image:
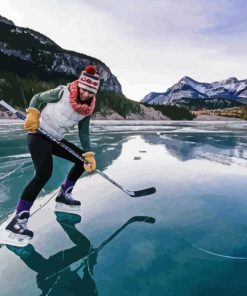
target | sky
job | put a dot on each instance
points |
(148, 45)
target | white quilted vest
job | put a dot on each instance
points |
(58, 118)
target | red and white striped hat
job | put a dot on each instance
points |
(89, 79)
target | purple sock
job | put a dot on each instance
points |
(23, 205)
(68, 184)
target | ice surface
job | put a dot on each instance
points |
(199, 171)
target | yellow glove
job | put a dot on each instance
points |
(31, 122)
(89, 157)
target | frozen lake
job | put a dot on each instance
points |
(197, 245)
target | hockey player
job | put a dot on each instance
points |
(57, 111)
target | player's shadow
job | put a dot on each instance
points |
(69, 272)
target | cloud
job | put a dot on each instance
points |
(148, 45)
(163, 18)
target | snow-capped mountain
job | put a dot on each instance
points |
(23, 51)
(229, 89)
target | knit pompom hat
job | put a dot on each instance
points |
(89, 79)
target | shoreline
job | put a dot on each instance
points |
(8, 116)
(146, 122)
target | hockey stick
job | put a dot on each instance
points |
(137, 193)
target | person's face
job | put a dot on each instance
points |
(85, 94)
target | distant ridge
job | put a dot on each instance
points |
(229, 89)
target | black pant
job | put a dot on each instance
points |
(42, 149)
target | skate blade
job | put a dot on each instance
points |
(12, 239)
(60, 207)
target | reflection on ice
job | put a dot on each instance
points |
(199, 171)
(72, 265)
(227, 148)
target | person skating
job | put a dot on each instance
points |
(57, 111)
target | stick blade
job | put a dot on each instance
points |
(143, 192)
(146, 219)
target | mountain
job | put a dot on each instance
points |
(24, 51)
(229, 92)
(31, 63)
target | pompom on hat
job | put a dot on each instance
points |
(89, 79)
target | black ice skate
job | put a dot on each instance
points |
(65, 202)
(17, 233)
